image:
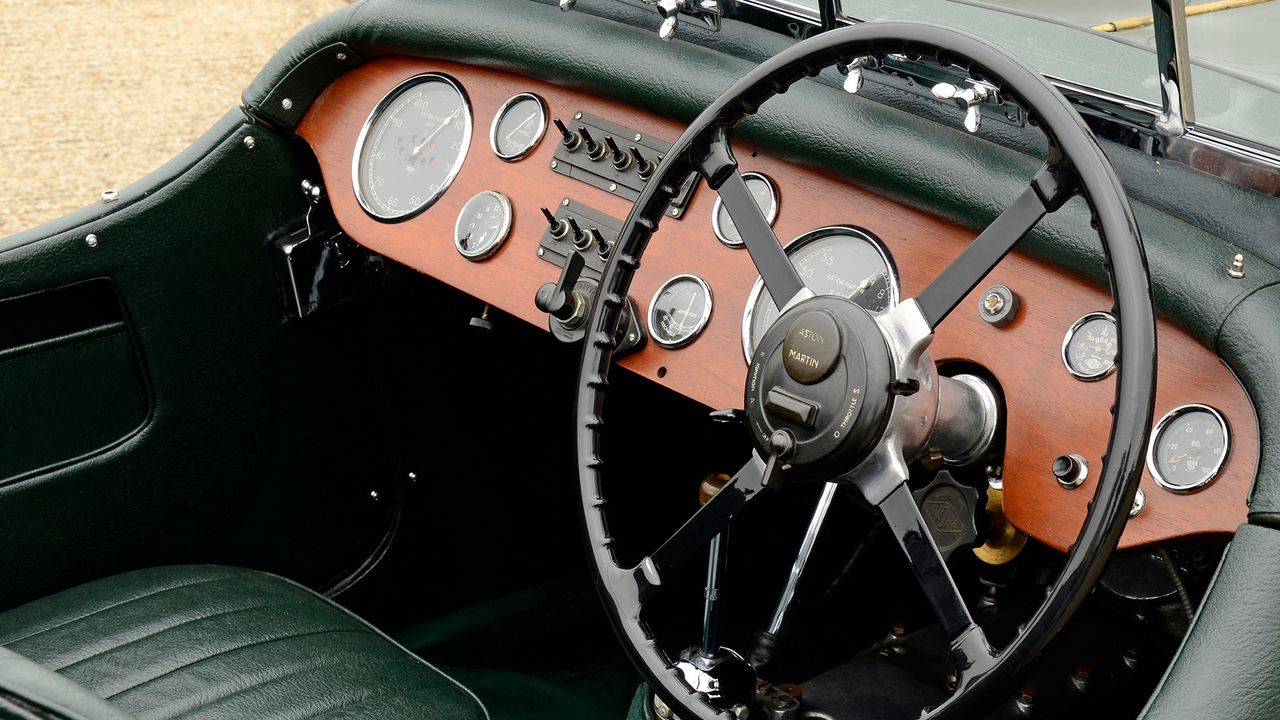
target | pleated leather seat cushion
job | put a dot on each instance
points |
(212, 642)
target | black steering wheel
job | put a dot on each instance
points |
(835, 394)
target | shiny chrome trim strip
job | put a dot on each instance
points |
(497, 118)
(1169, 417)
(1071, 333)
(702, 323)
(503, 230)
(771, 213)
(798, 244)
(391, 96)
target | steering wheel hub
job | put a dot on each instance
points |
(822, 373)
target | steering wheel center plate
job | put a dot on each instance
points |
(822, 373)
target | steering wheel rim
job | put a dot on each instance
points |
(1076, 165)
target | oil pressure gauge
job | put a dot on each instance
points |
(518, 126)
(482, 225)
(1090, 346)
(679, 311)
(1188, 448)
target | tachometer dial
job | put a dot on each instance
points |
(837, 260)
(679, 311)
(766, 196)
(1188, 448)
(482, 225)
(518, 126)
(412, 147)
(1090, 346)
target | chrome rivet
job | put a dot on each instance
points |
(613, 187)
(565, 202)
(1236, 271)
(675, 212)
(287, 104)
(555, 164)
(638, 137)
(91, 240)
(631, 337)
(541, 252)
(110, 196)
(1139, 502)
(577, 116)
(342, 56)
(250, 142)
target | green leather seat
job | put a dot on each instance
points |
(206, 642)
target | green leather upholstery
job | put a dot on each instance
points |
(213, 642)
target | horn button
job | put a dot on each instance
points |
(822, 373)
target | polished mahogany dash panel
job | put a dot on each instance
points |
(1049, 412)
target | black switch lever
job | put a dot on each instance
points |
(559, 228)
(568, 138)
(644, 168)
(595, 150)
(558, 299)
(621, 161)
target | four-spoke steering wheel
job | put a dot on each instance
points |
(836, 394)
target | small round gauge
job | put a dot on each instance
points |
(766, 195)
(1090, 346)
(836, 260)
(518, 126)
(411, 147)
(679, 310)
(482, 225)
(1188, 448)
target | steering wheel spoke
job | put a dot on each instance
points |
(698, 531)
(1049, 189)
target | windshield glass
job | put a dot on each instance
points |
(1110, 45)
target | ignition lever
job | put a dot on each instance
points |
(560, 299)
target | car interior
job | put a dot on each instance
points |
(667, 359)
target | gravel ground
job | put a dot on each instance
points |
(94, 94)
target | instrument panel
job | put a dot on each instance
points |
(695, 290)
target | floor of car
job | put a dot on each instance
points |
(540, 652)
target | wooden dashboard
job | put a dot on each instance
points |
(1050, 413)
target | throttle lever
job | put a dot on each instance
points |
(559, 299)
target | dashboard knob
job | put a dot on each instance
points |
(559, 228)
(621, 161)
(644, 168)
(595, 150)
(568, 138)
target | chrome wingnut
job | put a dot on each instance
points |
(853, 80)
(972, 97)
(567, 5)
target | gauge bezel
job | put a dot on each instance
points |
(390, 97)
(497, 118)
(702, 324)
(1071, 333)
(798, 244)
(771, 215)
(1168, 418)
(503, 231)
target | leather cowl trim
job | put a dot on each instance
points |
(215, 643)
(1226, 667)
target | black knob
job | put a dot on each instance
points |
(568, 138)
(1070, 470)
(644, 168)
(581, 240)
(559, 228)
(557, 299)
(595, 150)
(602, 245)
(621, 161)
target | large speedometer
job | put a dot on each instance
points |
(836, 260)
(412, 146)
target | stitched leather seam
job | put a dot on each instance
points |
(151, 635)
(220, 653)
(327, 662)
(64, 623)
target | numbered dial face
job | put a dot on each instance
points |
(482, 225)
(679, 311)
(1089, 349)
(1188, 448)
(839, 260)
(412, 147)
(766, 195)
(518, 126)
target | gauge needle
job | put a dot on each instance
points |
(867, 282)
(1176, 459)
(520, 126)
(689, 309)
(436, 132)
